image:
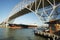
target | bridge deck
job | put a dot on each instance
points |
(25, 11)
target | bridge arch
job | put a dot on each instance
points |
(39, 7)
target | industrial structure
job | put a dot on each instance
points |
(54, 26)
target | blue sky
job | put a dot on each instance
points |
(6, 7)
(30, 18)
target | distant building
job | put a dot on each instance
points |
(22, 25)
(54, 26)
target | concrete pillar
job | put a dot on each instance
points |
(50, 30)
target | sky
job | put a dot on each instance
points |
(7, 5)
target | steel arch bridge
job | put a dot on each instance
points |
(45, 10)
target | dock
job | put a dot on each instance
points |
(47, 35)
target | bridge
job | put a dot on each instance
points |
(39, 7)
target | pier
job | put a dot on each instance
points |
(53, 32)
(47, 35)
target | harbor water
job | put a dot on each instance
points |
(18, 34)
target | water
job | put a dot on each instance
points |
(18, 34)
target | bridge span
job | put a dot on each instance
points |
(34, 7)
